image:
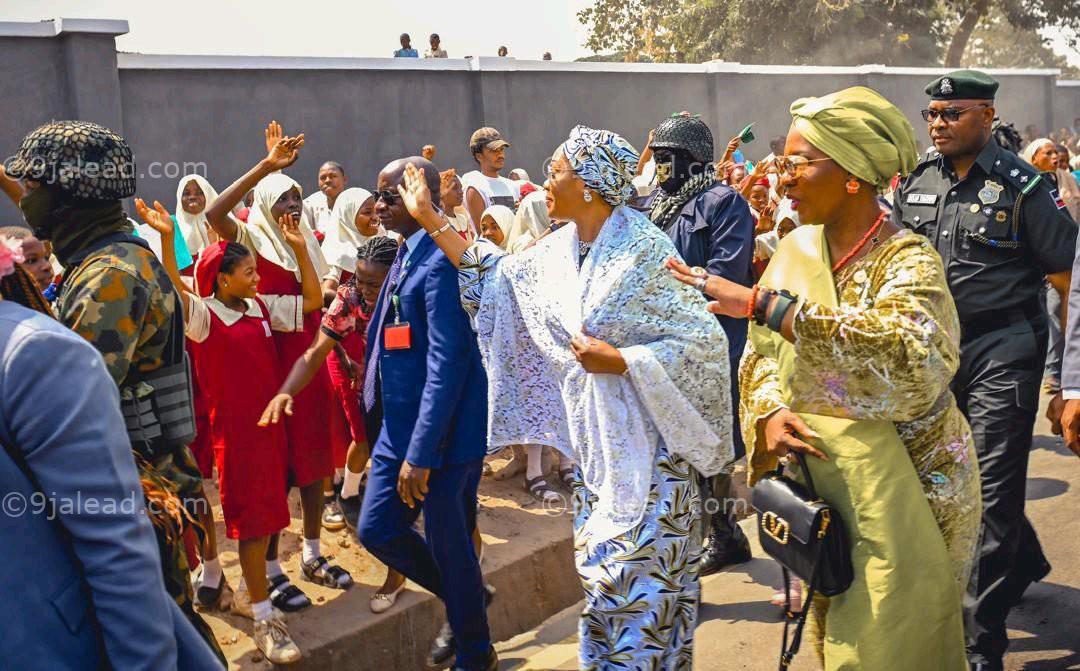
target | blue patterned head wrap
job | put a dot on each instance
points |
(604, 160)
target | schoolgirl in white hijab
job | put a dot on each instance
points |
(343, 236)
(193, 226)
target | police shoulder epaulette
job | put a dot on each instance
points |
(1020, 174)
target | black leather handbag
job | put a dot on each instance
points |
(807, 537)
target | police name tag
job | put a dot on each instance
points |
(921, 198)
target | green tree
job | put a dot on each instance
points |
(834, 32)
(1028, 15)
(634, 27)
(837, 32)
(996, 43)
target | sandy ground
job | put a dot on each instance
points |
(739, 630)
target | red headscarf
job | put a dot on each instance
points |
(206, 270)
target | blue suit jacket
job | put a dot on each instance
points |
(87, 586)
(434, 395)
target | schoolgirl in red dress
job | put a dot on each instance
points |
(352, 223)
(238, 363)
(347, 318)
(310, 435)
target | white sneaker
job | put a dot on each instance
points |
(273, 640)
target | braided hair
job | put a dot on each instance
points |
(381, 250)
(20, 288)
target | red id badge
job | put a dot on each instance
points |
(397, 336)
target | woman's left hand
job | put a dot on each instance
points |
(728, 298)
(596, 356)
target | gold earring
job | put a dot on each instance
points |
(587, 196)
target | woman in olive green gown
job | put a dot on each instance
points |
(857, 373)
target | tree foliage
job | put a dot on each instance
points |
(826, 32)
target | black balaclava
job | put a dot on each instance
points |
(675, 167)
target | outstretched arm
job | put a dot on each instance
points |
(303, 371)
(283, 154)
(159, 220)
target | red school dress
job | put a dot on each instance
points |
(239, 373)
(346, 322)
(311, 432)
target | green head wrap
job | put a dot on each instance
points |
(862, 131)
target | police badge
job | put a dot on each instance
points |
(946, 86)
(990, 193)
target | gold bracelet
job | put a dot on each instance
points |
(442, 230)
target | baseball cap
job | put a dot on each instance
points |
(487, 137)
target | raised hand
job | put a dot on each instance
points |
(290, 230)
(284, 152)
(273, 133)
(414, 192)
(157, 218)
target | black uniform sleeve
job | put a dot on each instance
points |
(1048, 228)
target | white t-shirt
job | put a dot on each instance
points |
(318, 211)
(494, 190)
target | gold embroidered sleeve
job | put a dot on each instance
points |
(889, 350)
(759, 397)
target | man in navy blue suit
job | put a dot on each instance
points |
(425, 372)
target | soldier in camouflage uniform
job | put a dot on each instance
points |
(116, 295)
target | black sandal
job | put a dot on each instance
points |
(567, 476)
(322, 572)
(541, 490)
(286, 596)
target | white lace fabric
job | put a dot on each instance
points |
(529, 305)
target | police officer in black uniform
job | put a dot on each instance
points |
(1000, 228)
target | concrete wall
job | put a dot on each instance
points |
(208, 112)
(1066, 103)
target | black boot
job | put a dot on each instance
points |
(726, 544)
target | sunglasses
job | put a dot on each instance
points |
(950, 114)
(795, 166)
(390, 197)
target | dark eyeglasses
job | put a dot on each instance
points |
(950, 114)
(389, 196)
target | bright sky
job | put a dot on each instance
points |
(342, 29)
(328, 28)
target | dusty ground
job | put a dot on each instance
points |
(739, 630)
(512, 523)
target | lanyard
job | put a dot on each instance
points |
(397, 308)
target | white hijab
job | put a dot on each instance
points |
(194, 226)
(342, 236)
(504, 217)
(1029, 151)
(530, 222)
(265, 236)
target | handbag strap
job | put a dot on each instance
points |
(788, 650)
